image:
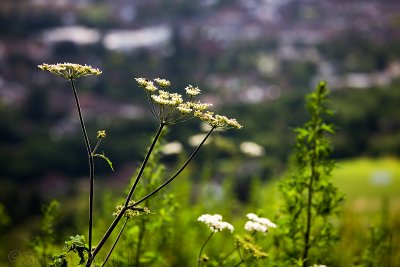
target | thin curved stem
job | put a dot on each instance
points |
(115, 243)
(176, 174)
(91, 166)
(202, 248)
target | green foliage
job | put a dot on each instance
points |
(148, 234)
(310, 199)
(44, 241)
(4, 217)
(106, 159)
(78, 245)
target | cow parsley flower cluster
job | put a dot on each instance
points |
(217, 121)
(70, 71)
(257, 224)
(215, 223)
(170, 108)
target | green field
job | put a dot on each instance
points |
(369, 183)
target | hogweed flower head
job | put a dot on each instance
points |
(215, 223)
(70, 71)
(162, 82)
(165, 98)
(217, 121)
(192, 91)
(258, 224)
(170, 108)
(142, 81)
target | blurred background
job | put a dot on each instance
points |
(254, 60)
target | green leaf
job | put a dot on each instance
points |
(106, 159)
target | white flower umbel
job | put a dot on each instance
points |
(251, 226)
(258, 224)
(215, 223)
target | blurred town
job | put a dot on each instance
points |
(253, 59)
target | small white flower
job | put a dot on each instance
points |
(172, 148)
(252, 149)
(258, 224)
(196, 139)
(251, 226)
(215, 223)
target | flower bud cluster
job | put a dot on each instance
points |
(131, 212)
(101, 134)
(215, 223)
(70, 71)
(256, 224)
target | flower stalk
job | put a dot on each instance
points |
(91, 165)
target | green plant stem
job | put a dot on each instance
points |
(240, 262)
(202, 248)
(96, 146)
(313, 176)
(176, 174)
(125, 207)
(160, 128)
(227, 256)
(309, 215)
(142, 231)
(91, 166)
(115, 243)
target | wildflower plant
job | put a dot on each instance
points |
(168, 108)
(311, 201)
(245, 245)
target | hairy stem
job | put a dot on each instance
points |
(202, 248)
(91, 166)
(115, 243)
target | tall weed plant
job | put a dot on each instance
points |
(311, 202)
(147, 229)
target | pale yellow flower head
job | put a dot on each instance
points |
(162, 82)
(101, 134)
(142, 81)
(217, 121)
(165, 98)
(70, 71)
(192, 91)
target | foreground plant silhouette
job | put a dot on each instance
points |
(169, 109)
